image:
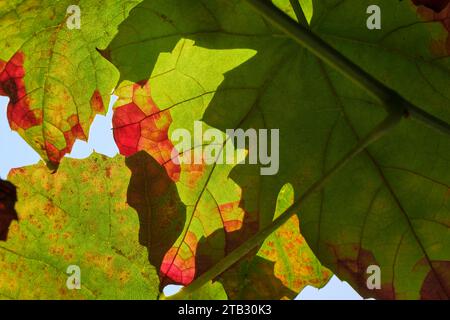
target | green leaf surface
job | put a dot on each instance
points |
(76, 216)
(217, 61)
(55, 78)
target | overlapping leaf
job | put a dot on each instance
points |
(55, 78)
(77, 216)
(219, 62)
(216, 220)
(186, 229)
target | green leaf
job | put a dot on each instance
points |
(218, 62)
(76, 216)
(394, 200)
(55, 78)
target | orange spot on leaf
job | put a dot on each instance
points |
(97, 102)
(141, 125)
(232, 216)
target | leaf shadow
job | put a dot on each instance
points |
(162, 214)
(242, 281)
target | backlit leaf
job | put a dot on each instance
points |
(218, 62)
(76, 216)
(53, 75)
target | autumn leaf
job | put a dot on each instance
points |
(218, 62)
(53, 75)
(76, 216)
(285, 262)
(8, 199)
(188, 66)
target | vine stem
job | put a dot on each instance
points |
(387, 97)
(385, 126)
(299, 13)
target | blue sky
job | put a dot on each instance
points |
(15, 152)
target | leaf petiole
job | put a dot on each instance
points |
(387, 98)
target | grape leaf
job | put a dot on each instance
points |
(54, 77)
(218, 62)
(76, 216)
(8, 198)
(215, 226)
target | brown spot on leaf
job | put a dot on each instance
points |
(352, 262)
(436, 285)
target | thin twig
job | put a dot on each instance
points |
(299, 13)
